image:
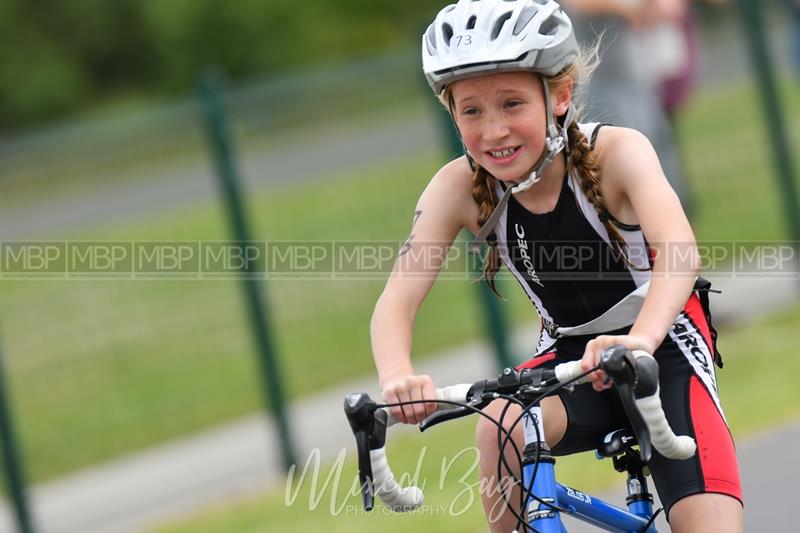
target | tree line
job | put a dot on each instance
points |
(59, 56)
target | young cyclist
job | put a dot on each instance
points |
(543, 190)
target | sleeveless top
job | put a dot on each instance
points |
(564, 260)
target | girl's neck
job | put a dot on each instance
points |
(543, 196)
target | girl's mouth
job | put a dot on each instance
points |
(505, 156)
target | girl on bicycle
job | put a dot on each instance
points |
(583, 217)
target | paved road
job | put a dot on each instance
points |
(325, 152)
(770, 471)
(230, 461)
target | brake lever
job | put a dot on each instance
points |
(638, 425)
(369, 428)
(443, 416)
(620, 364)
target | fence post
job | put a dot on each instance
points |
(753, 22)
(222, 149)
(15, 478)
(495, 320)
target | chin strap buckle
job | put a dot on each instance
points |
(555, 145)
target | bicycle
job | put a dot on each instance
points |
(542, 499)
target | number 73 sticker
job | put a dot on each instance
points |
(460, 41)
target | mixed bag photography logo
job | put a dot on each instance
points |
(336, 488)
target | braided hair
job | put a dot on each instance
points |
(483, 192)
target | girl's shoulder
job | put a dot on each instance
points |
(456, 173)
(610, 142)
(629, 165)
(450, 193)
(454, 179)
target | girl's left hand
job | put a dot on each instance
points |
(596, 346)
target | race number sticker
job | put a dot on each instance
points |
(461, 41)
(532, 420)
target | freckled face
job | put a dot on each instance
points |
(502, 121)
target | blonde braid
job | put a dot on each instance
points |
(583, 159)
(484, 195)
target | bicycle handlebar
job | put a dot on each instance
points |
(662, 437)
(635, 375)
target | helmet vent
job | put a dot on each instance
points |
(471, 22)
(549, 26)
(524, 18)
(498, 26)
(447, 31)
(430, 40)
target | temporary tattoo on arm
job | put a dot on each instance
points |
(407, 245)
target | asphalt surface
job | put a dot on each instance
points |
(324, 152)
(769, 471)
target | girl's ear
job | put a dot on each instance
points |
(562, 98)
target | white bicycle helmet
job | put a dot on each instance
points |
(475, 37)
(478, 37)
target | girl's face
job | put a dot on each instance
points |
(502, 120)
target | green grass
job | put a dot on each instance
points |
(755, 396)
(730, 164)
(101, 368)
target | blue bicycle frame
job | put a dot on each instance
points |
(545, 519)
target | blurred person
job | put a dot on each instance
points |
(677, 84)
(794, 8)
(533, 182)
(643, 45)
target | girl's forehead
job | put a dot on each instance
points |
(517, 81)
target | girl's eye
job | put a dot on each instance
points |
(513, 103)
(469, 111)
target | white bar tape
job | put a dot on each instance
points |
(569, 371)
(386, 487)
(661, 435)
(454, 393)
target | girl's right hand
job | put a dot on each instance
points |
(410, 388)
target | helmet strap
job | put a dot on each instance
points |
(555, 140)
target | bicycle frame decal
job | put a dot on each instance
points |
(530, 421)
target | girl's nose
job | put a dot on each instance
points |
(495, 128)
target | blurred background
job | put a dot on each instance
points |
(138, 403)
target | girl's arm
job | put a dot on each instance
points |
(639, 193)
(444, 208)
